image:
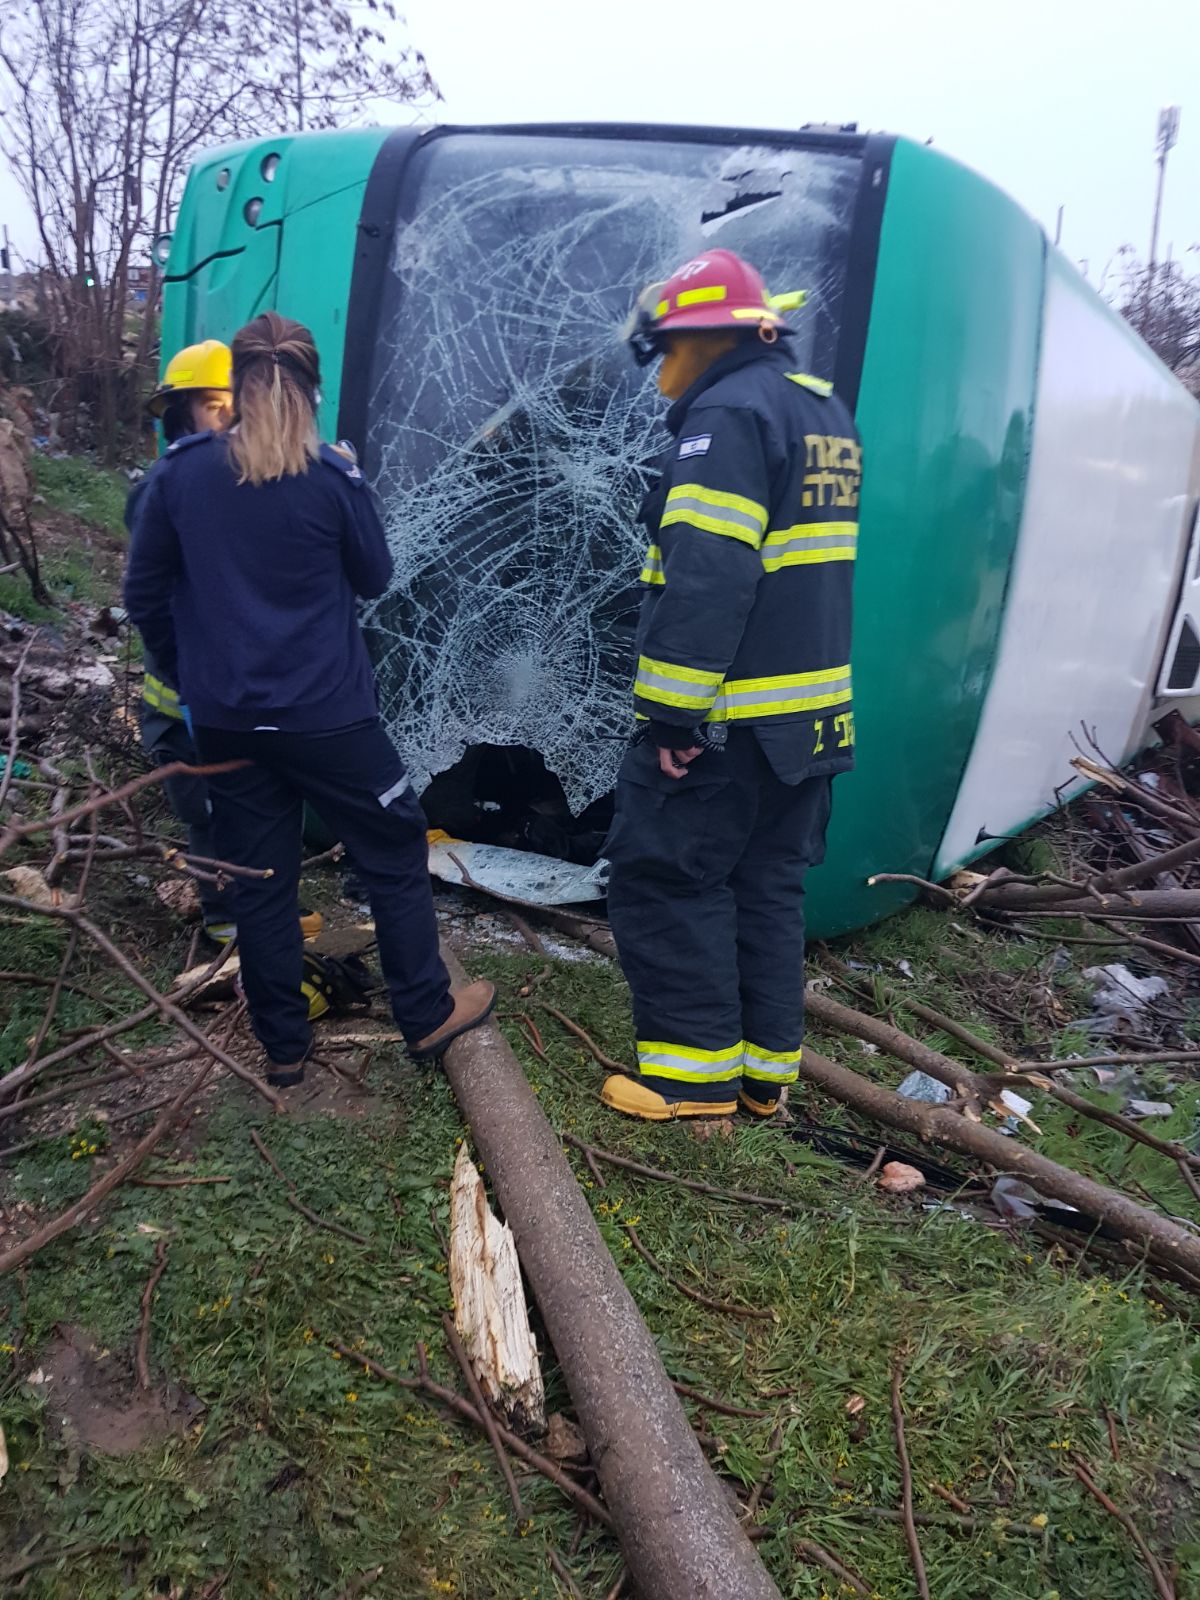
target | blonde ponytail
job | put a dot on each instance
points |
(276, 375)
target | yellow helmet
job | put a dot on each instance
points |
(208, 365)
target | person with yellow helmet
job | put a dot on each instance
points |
(195, 396)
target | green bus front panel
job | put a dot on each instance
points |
(246, 243)
(945, 412)
(944, 407)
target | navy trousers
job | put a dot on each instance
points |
(706, 900)
(165, 740)
(357, 783)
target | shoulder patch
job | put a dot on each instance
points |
(188, 440)
(817, 386)
(697, 445)
(342, 460)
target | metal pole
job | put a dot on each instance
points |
(1058, 226)
(1168, 133)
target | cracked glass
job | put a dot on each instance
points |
(512, 437)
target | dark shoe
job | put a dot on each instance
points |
(284, 1075)
(472, 1005)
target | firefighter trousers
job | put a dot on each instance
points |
(706, 900)
(166, 740)
(357, 783)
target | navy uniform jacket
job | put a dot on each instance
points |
(158, 691)
(753, 529)
(246, 595)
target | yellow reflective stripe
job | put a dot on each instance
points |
(781, 696)
(771, 1066)
(763, 315)
(809, 542)
(725, 526)
(689, 674)
(161, 690)
(697, 297)
(785, 1058)
(669, 685)
(811, 558)
(717, 498)
(732, 515)
(820, 386)
(787, 680)
(662, 308)
(811, 530)
(686, 1064)
(653, 572)
(159, 696)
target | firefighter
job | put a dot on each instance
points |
(195, 395)
(742, 696)
(259, 540)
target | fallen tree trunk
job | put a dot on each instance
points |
(1164, 1241)
(1139, 905)
(678, 1534)
(844, 1019)
(972, 1089)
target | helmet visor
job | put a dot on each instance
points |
(638, 333)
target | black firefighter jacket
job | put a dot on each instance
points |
(753, 528)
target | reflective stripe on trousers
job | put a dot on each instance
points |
(686, 1064)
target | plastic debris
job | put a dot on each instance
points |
(1119, 993)
(920, 1086)
(518, 874)
(1020, 1109)
(898, 1178)
(1021, 1201)
(1148, 1108)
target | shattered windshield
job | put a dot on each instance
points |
(511, 435)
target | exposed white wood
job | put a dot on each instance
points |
(489, 1302)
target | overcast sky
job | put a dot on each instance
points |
(1055, 100)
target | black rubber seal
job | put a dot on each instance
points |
(862, 259)
(372, 252)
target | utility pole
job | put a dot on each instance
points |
(1168, 135)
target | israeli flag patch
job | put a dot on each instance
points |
(695, 446)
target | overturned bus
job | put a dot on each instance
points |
(1028, 554)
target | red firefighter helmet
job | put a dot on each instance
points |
(714, 290)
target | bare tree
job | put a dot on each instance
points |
(104, 104)
(325, 63)
(1163, 304)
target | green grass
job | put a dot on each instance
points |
(74, 484)
(83, 570)
(1011, 1356)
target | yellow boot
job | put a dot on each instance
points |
(758, 1108)
(632, 1097)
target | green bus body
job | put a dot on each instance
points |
(950, 277)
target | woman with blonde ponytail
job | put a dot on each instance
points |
(248, 556)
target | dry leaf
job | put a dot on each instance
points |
(855, 1404)
(564, 1442)
(897, 1178)
(712, 1128)
(179, 896)
(29, 883)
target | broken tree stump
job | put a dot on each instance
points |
(678, 1533)
(489, 1303)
